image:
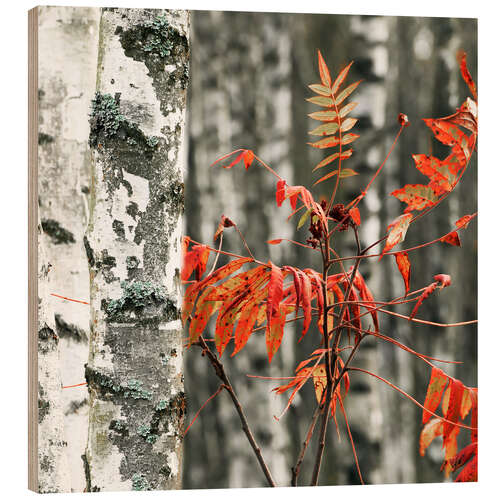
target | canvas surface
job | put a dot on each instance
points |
(134, 113)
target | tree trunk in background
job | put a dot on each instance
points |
(422, 54)
(67, 40)
(240, 97)
(53, 470)
(134, 371)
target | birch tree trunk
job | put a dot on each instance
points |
(67, 42)
(53, 470)
(134, 371)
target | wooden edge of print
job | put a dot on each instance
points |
(32, 248)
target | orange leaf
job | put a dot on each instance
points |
(275, 242)
(416, 196)
(453, 413)
(452, 239)
(274, 332)
(463, 222)
(306, 296)
(275, 293)
(462, 56)
(355, 216)
(469, 472)
(437, 383)
(248, 157)
(404, 266)
(280, 192)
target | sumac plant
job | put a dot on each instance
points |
(246, 295)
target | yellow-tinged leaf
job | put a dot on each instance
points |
(325, 129)
(344, 173)
(304, 218)
(347, 124)
(346, 92)
(431, 430)
(397, 231)
(345, 154)
(324, 116)
(320, 89)
(327, 142)
(326, 102)
(348, 138)
(340, 78)
(323, 71)
(347, 109)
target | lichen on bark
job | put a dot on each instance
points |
(133, 248)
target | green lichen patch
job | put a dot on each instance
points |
(140, 483)
(106, 385)
(57, 234)
(108, 124)
(105, 117)
(157, 43)
(141, 300)
(146, 432)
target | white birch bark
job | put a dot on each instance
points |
(68, 39)
(134, 371)
(53, 470)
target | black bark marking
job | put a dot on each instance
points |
(58, 235)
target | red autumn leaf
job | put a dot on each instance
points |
(463, 222)
(248, 157)
(437, 383)
(200, 320)
(221, 273)
(280, 192)
(462, 57)
(298, 287)
(275, 293)
(195, 260)
(440, 176)
(225, 323)
(416, 196)
(469, 472)
(274, 332)
(461, 458)
(397, 231)
(355, 216)
(305, 298)
(323, 71)
(453, 413)
(452, 239)
(404, 266)
(275, 242)
(473, 419)
(247, 319)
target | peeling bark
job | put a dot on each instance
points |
(53, 470)
(134, 372)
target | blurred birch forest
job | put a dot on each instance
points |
(249, 77)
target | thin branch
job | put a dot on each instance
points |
(219, 370)
(305, 444)
(352, 440)
(203, 406)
